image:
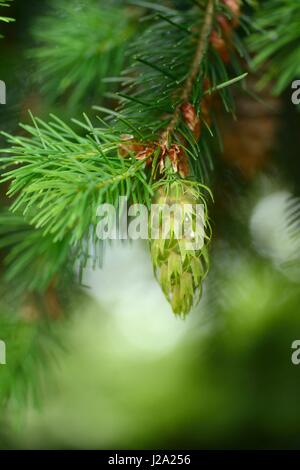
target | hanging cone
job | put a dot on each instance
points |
(179, 238)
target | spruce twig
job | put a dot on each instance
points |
(195, 67)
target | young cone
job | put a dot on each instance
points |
(180, 234)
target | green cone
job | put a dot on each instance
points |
(180, 254)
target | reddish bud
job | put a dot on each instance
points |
(220, 46)
(234, 7)
(179, 160)
(224, 24)
(192, 120)
(129, 148)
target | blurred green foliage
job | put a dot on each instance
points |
(78, 45)
(226, 382)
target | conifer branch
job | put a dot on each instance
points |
(196, 64)
(158, 138)
(275, 43)
(77, 45)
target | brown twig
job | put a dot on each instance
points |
(195, 66)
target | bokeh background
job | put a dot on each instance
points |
(127, 374)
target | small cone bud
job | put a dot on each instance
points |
(180, 254)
